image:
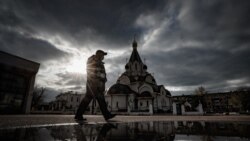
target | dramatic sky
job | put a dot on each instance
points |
(185, 43)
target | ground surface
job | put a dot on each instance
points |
(13, 121)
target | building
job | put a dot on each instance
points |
(136, 90)
(233, 101)
(222, 102)
(68, 101)
(17, 77)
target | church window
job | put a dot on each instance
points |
(141, 103)
(72, 99)
(117, 104)
(147, 103)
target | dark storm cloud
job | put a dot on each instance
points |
(217, 23)
(107, 22)
(71, 79)
(14, 40)
(28, 47)
(205, 42)
(190, 43)
(194, 67)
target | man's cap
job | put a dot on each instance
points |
(101, 52)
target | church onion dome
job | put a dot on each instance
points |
(120, 89)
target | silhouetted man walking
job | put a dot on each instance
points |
(96, 79)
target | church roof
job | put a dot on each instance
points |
(135, 55)
(139, 78)
(157, 88)
(168, 92)
(120, 89)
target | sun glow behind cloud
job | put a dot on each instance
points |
(77, 65)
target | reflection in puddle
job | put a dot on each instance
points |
(138, 131)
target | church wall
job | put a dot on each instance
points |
(143, 104)
(130, 102)
(108, 101)
(155, 103)
(118, 102)
(159, 101)
(167, 101)
(162, 103)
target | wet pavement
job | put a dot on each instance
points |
(133, 131)
(12, 121)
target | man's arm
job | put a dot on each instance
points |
(101, 73)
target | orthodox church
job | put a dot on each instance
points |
(136, 90)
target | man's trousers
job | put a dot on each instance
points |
(95, 89)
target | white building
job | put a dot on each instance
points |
(68, 101)
(136, 90)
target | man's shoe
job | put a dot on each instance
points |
(110, 116)
(80, 118)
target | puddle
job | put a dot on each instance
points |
(134, 131)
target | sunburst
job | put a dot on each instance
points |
(77, 65)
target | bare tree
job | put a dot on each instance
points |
(38, 96)
(200, 91)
